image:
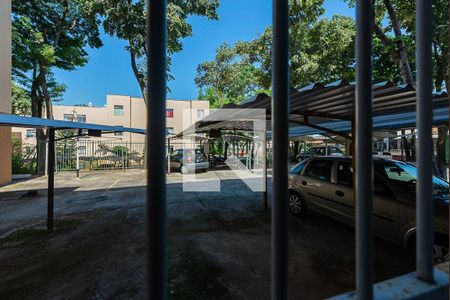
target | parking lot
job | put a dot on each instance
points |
(219, 242)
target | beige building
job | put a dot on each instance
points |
(124, 111)
(5, 89)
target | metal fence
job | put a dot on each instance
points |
(82, 154)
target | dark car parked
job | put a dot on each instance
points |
(189, 160)
(325, 184)
(320, 151)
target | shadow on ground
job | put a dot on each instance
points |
(219, 246)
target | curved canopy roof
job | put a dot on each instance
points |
(32, 122)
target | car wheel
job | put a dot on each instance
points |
(297, 204)
(184, 170)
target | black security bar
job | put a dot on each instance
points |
(363, 150)
(424, 206)
(280, 127)
(156, 141)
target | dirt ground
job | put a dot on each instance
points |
(219, 243)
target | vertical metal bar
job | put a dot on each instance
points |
(51, 177)
(424, 210)
(264, 171)
(280, 127)
(78, 158)
(156, 135)
(363, 150)
(168, 156)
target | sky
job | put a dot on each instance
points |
(108, 70)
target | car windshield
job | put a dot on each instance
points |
(191, 151)
(405, 177)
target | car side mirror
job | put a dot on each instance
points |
(397, 170)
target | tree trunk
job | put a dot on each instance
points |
(296, 145)
(440, 152)
(413, 146)
(440, 69)
(403, 62)
(46, 94)
(225, 151)
(137, 75)
(36, 111)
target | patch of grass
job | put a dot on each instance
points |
(39, 232)
(196, 276)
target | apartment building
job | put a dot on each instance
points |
(5, 89)
(125, 111)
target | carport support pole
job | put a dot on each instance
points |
(264, 172)
(280, 127)
(51, 177)
(78, 158)
(156, 144)
(362, 156)
(168, 156)
(424, 211)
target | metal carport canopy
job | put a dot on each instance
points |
(337, 100)
(52, 126)
(320, 106)
(387, 122)
(32, 122)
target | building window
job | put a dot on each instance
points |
(118, 110)
(200, 113)
(82, 150)
(68, 117)
(169, 130)
(81, 118)
(169, 113)
(31, 133)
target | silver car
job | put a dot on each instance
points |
(325, 184)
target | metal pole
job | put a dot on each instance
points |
(156, 141)
(280, 127)
(78, 158)
(264, 171)
(168, 156)
(363, 150)
(51, 177)
(424, 210)
(402, 146)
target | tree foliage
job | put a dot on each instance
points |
(21, 100)
(126, 20)
(394, 31)
(321, 49)
(48, 35)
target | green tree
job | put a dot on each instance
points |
(394, 29)
(227, 79)
(126, 19)
(321, 49)
(21, 100)
(49, 35)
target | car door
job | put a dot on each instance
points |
(316, 183)
(386, 209)
(343, 193)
